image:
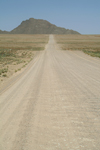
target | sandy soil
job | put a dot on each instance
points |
(14, 68)
(54, 104)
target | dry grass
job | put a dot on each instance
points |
(16, 51)
(90, 44)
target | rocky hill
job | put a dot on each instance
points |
(39, 26)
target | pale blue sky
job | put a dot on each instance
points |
(80, 15)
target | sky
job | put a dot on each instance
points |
(79, 15)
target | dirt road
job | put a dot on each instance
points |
(54, 104)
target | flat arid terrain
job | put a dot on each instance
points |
(54, 103)
(16, 51)
(89, 44)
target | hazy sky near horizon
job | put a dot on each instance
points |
(80, 15)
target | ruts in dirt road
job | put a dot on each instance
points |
(54, 105)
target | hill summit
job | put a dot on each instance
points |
(39, 26)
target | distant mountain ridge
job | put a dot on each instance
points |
(3, 32)
(39, 26)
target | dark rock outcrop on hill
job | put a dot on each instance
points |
(39, 26)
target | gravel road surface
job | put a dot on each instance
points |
(54, 104)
